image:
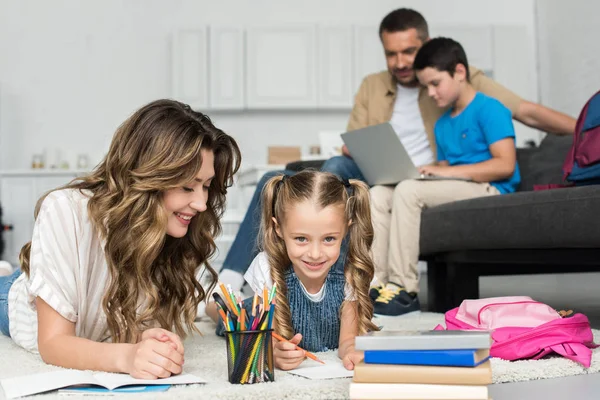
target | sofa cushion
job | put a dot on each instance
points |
(558, 218)
(543, 164)
(298, 166)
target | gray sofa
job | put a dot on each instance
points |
(527, 232)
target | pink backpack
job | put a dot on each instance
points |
(522, 328)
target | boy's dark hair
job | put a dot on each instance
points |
(404, 19)
(443, 54)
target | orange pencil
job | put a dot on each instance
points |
(265, 297)
(222, 313)
(243, 319)
(228, 299)
(308, 354)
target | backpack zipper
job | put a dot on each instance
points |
(496, 304)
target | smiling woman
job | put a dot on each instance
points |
(182, 204)
(114, 254)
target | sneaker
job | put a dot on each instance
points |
(394, 300)
(374, 292)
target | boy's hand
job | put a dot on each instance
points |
(352, 358)
(286, 356)
(345, 151)
(438, 170)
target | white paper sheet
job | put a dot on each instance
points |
(331, 370)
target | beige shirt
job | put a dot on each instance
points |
(374, 102)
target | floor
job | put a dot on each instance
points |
(577, 292)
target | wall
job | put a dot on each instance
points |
(71, 71)
(568, 53)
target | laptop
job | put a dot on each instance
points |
(381, 157)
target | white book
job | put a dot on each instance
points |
(38, 383)
(424, 340)
(388, 391)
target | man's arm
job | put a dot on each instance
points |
(531, 114)
(545, 119)
(358, 116)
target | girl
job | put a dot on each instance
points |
(114, 254)
(322, 302)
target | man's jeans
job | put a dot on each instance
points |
(244, 247)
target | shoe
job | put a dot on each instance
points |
(374, 292)
(394, 300)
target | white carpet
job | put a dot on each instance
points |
(206, 358)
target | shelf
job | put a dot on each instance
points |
(42, 172)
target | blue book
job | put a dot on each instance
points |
(98, 390)
(449, 358)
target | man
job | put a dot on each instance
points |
(395, 96)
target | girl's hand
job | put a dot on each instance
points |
(159, 354)
(352, 358)
(285, 354)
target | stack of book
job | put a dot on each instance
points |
(423, 365)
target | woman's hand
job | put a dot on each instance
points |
(159, 354)
(285, 354)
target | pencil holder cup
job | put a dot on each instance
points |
(250, 356)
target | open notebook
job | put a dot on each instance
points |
(38, 383)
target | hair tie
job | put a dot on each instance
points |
(277, 189)
(348, 186)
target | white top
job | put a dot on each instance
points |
(68, 271)
(408, 124)
(258, 276)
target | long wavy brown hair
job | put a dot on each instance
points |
(323, 189)
(156, 149)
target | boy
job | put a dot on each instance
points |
(475, 142)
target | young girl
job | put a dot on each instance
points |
(322, 299)
(114, 254)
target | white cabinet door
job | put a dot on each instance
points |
(18, 202)
(336, 83)
(227, 88)
(369, 56)
(190, 67)
(19, 195)
(281, 67)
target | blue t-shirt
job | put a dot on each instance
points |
(466, 138)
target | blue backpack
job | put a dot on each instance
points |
(582, 165)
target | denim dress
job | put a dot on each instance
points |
(318, 322)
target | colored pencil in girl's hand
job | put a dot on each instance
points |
(308, 354)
